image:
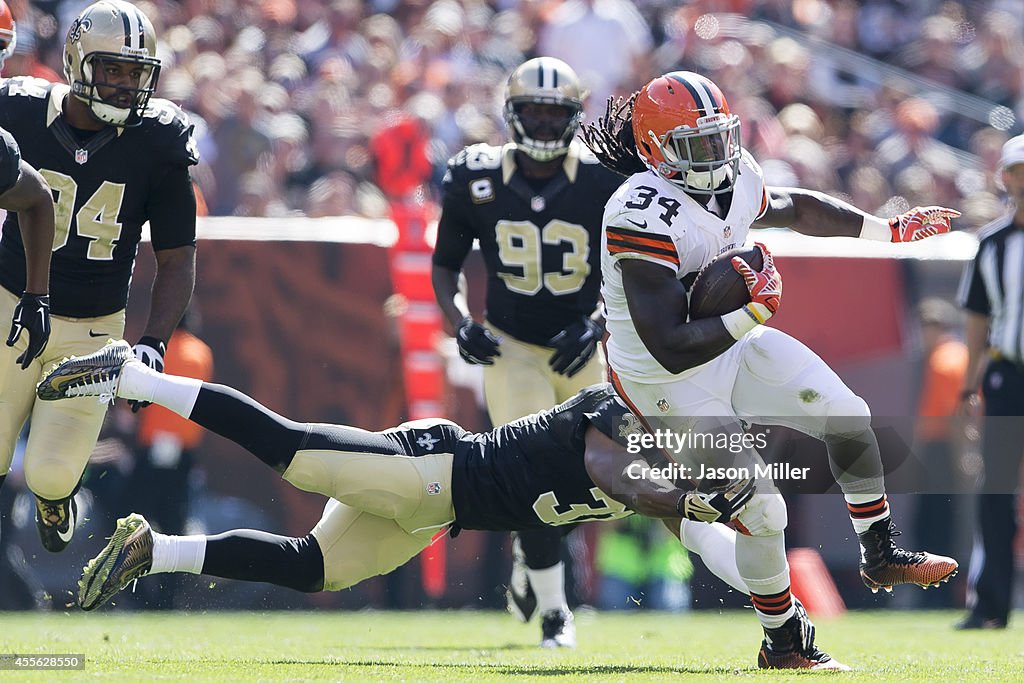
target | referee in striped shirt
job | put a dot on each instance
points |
(992, 292)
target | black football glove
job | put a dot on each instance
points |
(720, 505)
(33, 314)
(574, 346)
(150, 351)
(477, 345)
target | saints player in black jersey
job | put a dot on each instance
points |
(535, 208)
(24, 191)
(392, 492)
(114, 158)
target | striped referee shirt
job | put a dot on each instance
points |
(993, 286)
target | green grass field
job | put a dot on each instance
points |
(474, 646)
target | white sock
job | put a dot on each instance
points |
(716, 545)
(866, 509)
(140, 383)
(768, 598)
(549, 587)
(178, 554)
(762, 563)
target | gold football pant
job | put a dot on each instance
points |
(521, 382)
(63, 433)
(384, 510)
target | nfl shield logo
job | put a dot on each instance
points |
(727, 232)
(537, 204)
(663, 405)
(433, 488)
(81, 156)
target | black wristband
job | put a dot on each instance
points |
(154, 343)
(29, 297)
(679, 504)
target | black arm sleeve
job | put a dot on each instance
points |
(172, 209)
(10, 161)
(972, 294)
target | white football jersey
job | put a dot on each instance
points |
(651, 219)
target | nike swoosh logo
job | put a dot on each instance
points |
(59, 382)
(642, 226)
(98, 334)
(66, 535)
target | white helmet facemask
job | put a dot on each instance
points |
(700, 160)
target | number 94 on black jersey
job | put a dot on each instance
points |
(106, 184)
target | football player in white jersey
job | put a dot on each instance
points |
(693, 193)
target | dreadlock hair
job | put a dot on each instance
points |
(611, 138)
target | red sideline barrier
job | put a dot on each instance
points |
(434, 563)
(423, 369)
(811, 582)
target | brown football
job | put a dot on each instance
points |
(718, 288)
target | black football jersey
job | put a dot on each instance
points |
(530, 473)
(541, 243)
(10, 161)
(106, 184)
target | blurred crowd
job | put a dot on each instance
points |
(887, 102)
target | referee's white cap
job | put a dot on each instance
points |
(1013, 152)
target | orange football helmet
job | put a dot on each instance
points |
(686, 134)
(8, 33)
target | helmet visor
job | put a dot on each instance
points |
(701, 149)
(700, 158)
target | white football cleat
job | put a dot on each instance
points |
(95, 374)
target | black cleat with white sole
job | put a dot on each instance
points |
(55, 521)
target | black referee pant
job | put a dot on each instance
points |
(1002, 450)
